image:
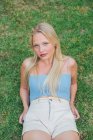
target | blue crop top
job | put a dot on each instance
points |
(35, 85)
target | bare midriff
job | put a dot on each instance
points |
(49, 97)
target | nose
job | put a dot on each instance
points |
(41, 48)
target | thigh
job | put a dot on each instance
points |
(69, 135)
(36, 135)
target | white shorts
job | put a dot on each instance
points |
(49, 115)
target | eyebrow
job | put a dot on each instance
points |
(45, 42)
(42, 43)
(35, 44)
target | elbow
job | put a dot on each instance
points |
(23, 91)
(74, 87)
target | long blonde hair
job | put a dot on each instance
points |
(53, 76)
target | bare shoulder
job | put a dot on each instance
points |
(26, 62)
(68, 59)
(72, 62)
(72, 65)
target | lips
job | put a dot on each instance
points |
(43, 54)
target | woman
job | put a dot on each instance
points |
(51, 79)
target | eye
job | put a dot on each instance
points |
(35, 46)
(45, 43)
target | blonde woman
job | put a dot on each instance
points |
(48, 89)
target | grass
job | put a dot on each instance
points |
(73, 22)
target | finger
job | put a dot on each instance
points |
(74, 114)
(21, 120)
(77, 115)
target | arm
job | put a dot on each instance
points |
(73, 81)
(24, 92)
(73, 89)
(24, 89)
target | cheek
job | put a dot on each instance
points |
(51, 49)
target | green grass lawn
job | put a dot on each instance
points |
(73, 22)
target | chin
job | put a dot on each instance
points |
(44, 58)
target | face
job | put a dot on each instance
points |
(43, 47)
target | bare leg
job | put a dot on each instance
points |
(69, 135)
(36, 135)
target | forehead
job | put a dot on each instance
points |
(39, 37)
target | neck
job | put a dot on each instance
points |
(44, 66)
(47, 62)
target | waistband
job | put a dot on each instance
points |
(45, 99)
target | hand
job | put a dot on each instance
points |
(74, 111)
(21, 118)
